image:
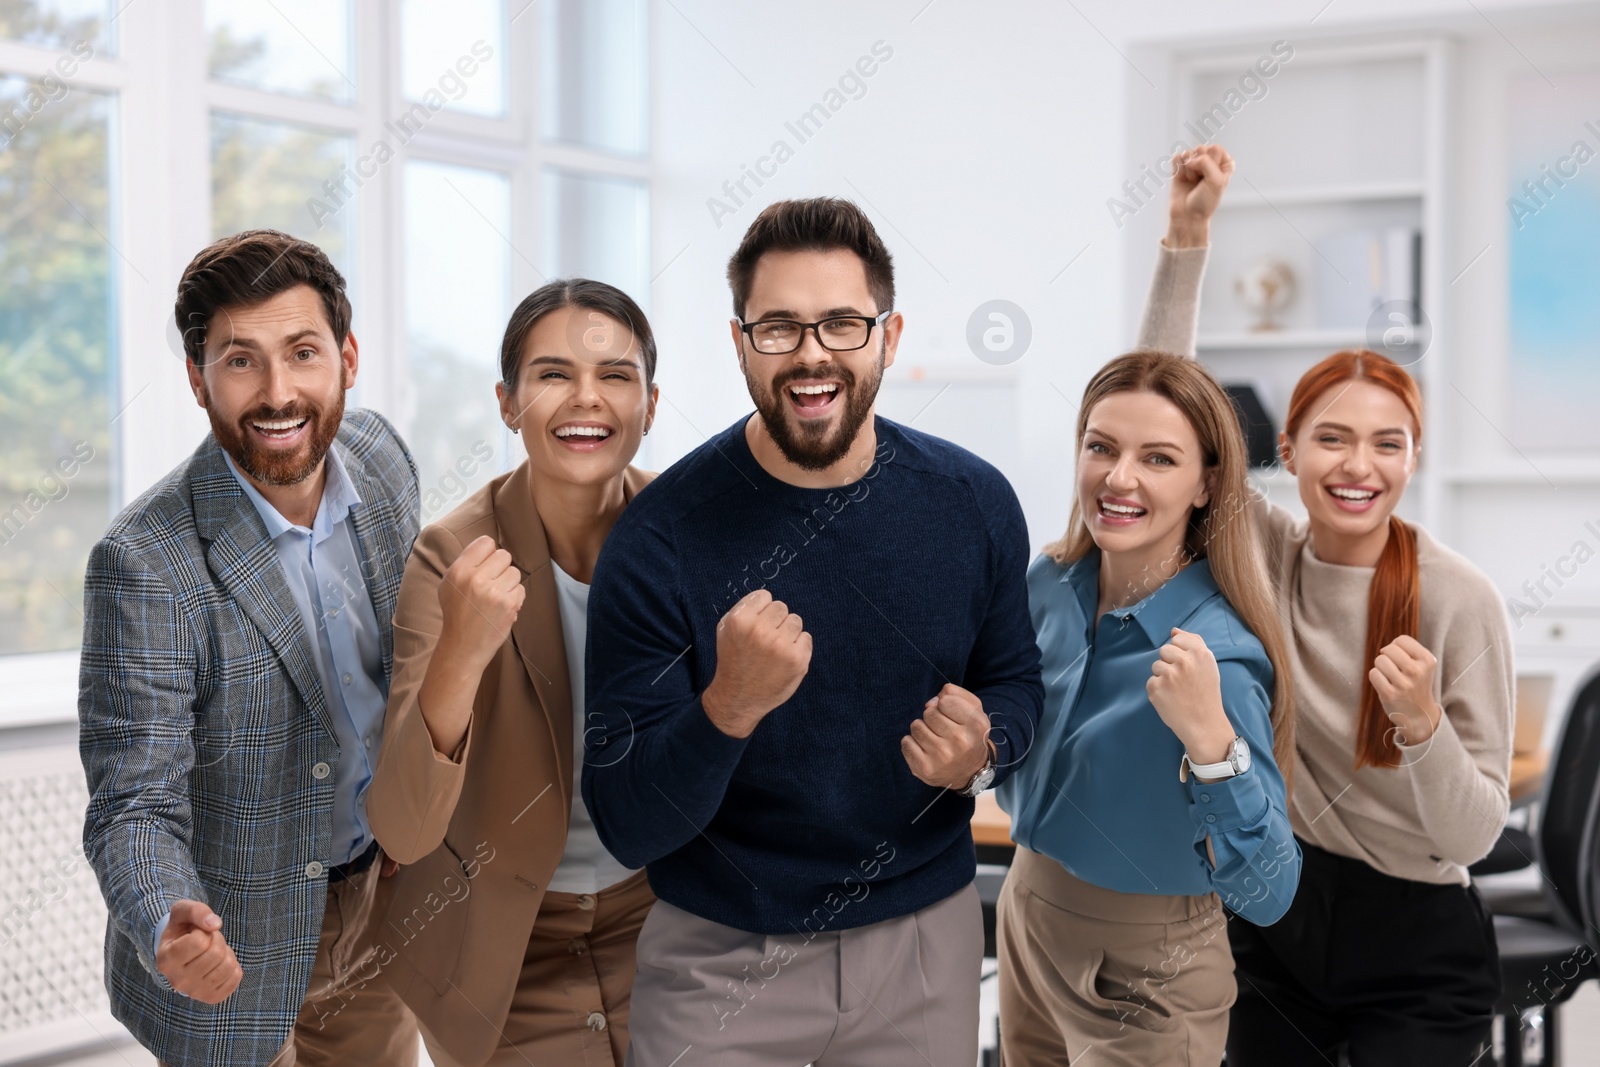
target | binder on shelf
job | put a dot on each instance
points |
(1361, 270)
(1260, 433)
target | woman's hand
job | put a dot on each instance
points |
(1199, 177)
(480, 596)
(1186, 690)
(1403, 676)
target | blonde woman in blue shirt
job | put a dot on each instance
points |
(1152, 796)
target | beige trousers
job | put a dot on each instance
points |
(1099, 978)
(350, 1014)
(571, 1004)
(898, 993)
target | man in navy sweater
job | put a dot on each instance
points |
(808, 649)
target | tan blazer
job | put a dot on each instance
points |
(478, 835)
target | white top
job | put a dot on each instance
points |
(586, 866)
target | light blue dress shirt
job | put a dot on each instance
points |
(1099, 793)
(322, 566)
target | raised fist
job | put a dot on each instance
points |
(763, 652)
(1403, 676)
(480, 597)
(1186, 689)
(1199, 177)
(950, 743)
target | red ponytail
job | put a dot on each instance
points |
(1394, 600)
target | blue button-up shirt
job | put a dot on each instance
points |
(323, 568)
(1099, 793)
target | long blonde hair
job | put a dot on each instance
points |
(1234, 551)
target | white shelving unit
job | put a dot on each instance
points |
(1368, 121)
(1366, 128)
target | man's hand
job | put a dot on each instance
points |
(1186, 689)
(480, 597)
(193, 955)
(950, 743)
(1403, 676)
(1198, 178)
(763, 653)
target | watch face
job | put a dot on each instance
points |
(1239, 754)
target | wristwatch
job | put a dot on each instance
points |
(1237, 763)
(983, 779)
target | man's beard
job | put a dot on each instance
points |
(272, 467)
(807, 443)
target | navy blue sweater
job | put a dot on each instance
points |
(910, 577)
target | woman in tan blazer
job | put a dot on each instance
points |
(511, 930)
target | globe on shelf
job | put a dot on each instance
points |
(1265, 288)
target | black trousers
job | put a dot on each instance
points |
(1395, 971)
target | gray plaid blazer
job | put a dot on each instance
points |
(201, 716)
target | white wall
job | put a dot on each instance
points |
(981, 149)
(985, 150)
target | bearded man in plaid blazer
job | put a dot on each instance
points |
(236, 659)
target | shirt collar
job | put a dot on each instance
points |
(339, 496)
(1169, 606)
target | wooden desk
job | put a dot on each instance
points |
(1527, 776)
(990, 825)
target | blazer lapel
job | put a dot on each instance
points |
(537, 634)
(382, 559)
(246, 564)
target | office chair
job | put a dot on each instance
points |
(1547, 952)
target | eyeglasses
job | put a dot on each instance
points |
(842, 333)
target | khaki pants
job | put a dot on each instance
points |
(350, 1015)
(898, 993)
(1107, 979)
(571, 1004)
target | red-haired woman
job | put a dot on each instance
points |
(1400, 654)
(1401, 659)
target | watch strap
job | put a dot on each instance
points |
(1225, 769)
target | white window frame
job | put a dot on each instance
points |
(161, 216)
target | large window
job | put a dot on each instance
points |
(454, 320)
(57, 303)
(265, 173)
(449, 156)
(59, 24)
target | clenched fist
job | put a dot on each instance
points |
(1186, 689)
(480, 597)
(1403, 676)
(1199, 177)
(763, 652)
(194, 956)
(950, 743)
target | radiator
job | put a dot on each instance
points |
(52, 920)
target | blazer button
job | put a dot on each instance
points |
(320, 770)
(576, 946)
(596, 1021)
(586, 903)
(313, 869)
